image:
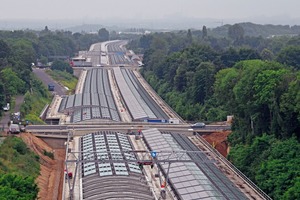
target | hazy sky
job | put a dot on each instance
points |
(89, 10)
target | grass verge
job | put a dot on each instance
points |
(64, 78)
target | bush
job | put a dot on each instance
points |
(20, 147)
(49, 154)
(13, 187)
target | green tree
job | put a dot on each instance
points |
(103, 34)
(203, 82)
(61, 66)
(267, 55)
(43, 60)
(290, 108)
(180, 78)
(189, 37)
(290, 56)
(145, 41)
(248, 54)
(5, 53)
(268, 87)
(230, 57)
(13, 187)
(12, 83)
(236, 32)
(204, 32)
(279, 171)
(113, 35)
(225, 81)
(293, 192)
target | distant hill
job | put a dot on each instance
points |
(85, 28)
(90, 28)
(252, 29)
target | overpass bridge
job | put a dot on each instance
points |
(72, 131)
(61, 131)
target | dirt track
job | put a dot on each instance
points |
(50, 181)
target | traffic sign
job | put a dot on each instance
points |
(153, 154)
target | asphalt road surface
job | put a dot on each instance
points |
(6, 115)
(4, 121)
(46, 79)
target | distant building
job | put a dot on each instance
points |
(80, 62)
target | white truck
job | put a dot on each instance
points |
(14, 128)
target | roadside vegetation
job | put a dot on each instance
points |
(19, 49)
(34, 101)
(19, 167)
(255, 79)
(62, 72)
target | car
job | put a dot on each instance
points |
(6, 108)
(22, 128)
(198, 125)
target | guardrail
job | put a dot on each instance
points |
(50, 133)
(235, 169)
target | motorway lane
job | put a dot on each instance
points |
(46, 79)
(4, 121)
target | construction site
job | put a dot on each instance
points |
(115, 138)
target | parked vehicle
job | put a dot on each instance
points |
(22, 128)
(198, 125)
(14, 128)
(7, 107)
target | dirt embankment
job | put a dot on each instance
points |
(219, 141)
(50, 181)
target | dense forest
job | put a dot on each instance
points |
(255, 79)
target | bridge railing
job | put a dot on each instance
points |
(235, 169)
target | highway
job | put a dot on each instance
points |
(137, 100)
(106, 97)
(95, 54)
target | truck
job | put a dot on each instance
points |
(51, 87)
(7, 107)
(14, 128)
